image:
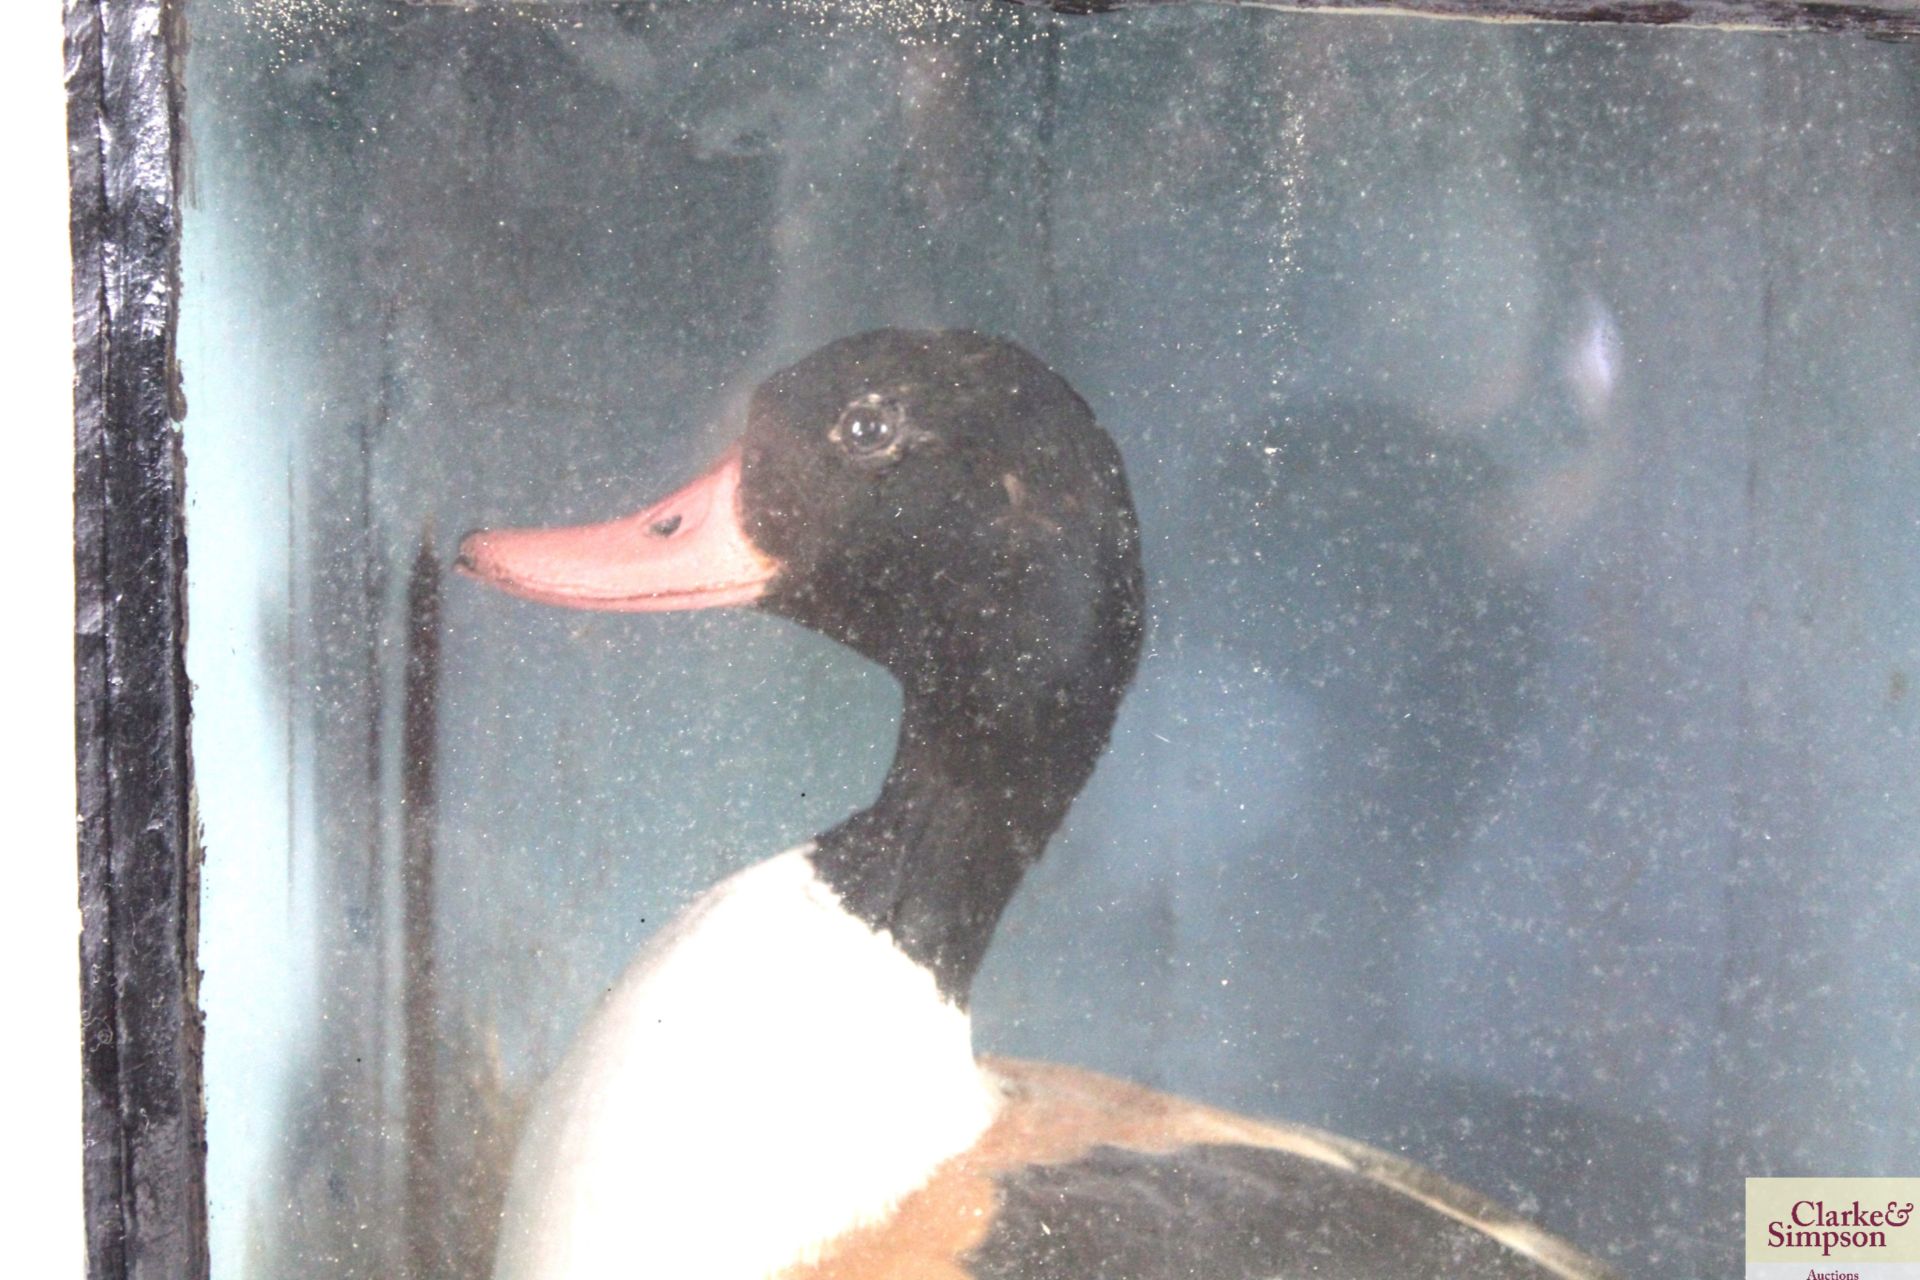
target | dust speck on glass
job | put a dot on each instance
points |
(1519, 772)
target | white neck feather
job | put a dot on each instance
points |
(767, 1075)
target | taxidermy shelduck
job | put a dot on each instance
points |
(783, 1084)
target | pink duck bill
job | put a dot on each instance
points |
(690, 550)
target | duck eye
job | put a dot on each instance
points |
(868, 427)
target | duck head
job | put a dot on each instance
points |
(944, 504)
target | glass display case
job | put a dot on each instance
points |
(1518, 774)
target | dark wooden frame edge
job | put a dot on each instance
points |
(143, 1123)
(1881, 19)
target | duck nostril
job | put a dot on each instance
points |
(664, 527)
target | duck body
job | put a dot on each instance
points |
(821, 1114)
(783, 1084)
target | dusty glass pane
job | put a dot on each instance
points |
(1520, 772)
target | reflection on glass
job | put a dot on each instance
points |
(1517, 775)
